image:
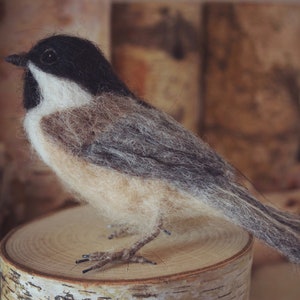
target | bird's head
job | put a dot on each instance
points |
(69, 58)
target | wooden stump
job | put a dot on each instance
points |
(201, 259)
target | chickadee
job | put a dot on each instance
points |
(133, 163)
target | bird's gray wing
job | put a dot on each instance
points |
(150, 144)
(121, 134)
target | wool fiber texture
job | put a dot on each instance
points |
(149, 147)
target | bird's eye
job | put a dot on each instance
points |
(49, 57)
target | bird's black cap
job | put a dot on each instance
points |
(75, 59)
(71, 58)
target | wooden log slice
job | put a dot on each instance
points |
(205, 258)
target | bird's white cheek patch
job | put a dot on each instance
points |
(58, 93)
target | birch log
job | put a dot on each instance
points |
(155, 49)
(203, 258)
(29, 187)
(252, 87)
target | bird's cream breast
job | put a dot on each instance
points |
(121, 198)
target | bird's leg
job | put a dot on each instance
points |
(126, 255)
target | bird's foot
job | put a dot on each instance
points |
(126, 255)
(104, 258)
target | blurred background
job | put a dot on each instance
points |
(228, 71)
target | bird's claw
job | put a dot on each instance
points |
(104, 258)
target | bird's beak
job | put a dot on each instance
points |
(19, 60)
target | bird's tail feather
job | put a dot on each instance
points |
(280, 230)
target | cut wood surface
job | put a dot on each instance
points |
(205, 258)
